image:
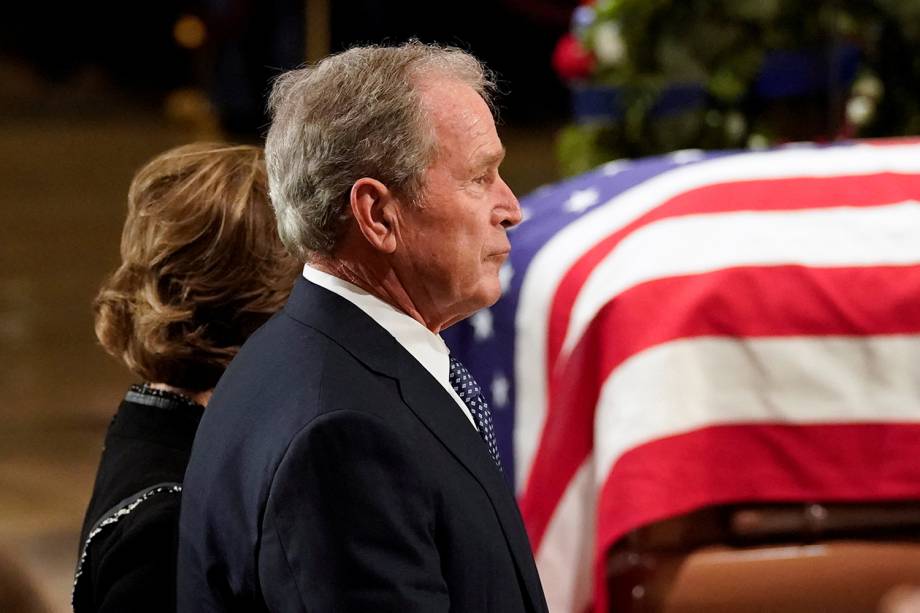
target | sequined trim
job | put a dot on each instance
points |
(114, 515)
(151, 396)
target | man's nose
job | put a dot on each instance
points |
(510, 207)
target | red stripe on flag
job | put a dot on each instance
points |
(785, 194)
(754, 463)
(737, 302)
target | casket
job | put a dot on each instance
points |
(704, 335)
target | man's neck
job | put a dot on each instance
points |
(380, 281)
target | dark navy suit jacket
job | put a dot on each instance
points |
(332, 473)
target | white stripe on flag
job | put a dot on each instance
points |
(694, 244)
(689, 384)
(565, 557)
(557, 256)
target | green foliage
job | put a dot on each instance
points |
(644, 47)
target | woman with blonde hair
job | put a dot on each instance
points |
(202, 267)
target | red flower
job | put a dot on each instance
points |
(571, 60)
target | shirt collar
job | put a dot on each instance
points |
(424, 345)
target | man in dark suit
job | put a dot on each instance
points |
(346, 462)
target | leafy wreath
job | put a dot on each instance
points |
(652, 76)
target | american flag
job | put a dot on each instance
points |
(700, 329)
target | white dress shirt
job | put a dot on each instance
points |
(423, 344)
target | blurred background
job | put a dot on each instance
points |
(90, 91)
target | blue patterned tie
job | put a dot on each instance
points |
(468, 390)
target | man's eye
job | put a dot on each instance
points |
(483, 179)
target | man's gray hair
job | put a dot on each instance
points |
(352, 115)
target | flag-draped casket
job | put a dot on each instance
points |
(702, 329)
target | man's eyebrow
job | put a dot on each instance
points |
(490, 159)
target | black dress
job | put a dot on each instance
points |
(127, 557)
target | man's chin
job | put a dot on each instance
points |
(486, 297)
(491, 294)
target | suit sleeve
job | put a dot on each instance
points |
(350, 523)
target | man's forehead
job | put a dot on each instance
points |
(447, 99)
(463, 125)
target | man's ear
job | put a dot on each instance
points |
(374, 206)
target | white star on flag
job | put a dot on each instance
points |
(581, 199)
(505, 273)
(615, 167)
(685, 156)
(500, 389)
(482, 324)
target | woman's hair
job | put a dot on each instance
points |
(201, 265)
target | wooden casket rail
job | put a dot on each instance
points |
(779, 557)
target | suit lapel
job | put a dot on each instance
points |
(350, 327)
(424, 396)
